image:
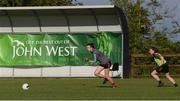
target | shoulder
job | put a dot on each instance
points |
(157, 55)
(95, 51)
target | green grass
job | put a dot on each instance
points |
(85, 88)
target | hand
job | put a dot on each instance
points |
(86, 58)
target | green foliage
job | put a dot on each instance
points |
(48, 2)
(133, 13)
(11, 3)
(146, 29)
(177, 44)
(143, 17)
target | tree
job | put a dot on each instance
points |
(145, 22)
(11, 3)
(158, 14)
(143, 18)
(134, 12)
(47, 2)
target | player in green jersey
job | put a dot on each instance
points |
(162, 67)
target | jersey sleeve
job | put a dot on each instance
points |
(94, 58)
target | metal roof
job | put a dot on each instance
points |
(94, 18)
(56, 7)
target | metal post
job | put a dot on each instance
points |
(95, 18)
(10, 20)
(38, 20)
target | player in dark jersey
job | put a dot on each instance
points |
(105, 64)
(162, 67)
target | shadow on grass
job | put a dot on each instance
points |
(104, 86)
(165, 86)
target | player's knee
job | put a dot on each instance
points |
(96, 73)
(152, 74)
(167, 75)
(107, 76)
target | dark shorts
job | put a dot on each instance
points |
(107, 65)
(163, 69)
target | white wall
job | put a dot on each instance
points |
(65, 71)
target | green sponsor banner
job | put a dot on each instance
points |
(57, 49)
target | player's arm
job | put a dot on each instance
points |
(94, 59)
(91, 61)
(157, 55)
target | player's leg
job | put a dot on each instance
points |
(171, 79)
(106, 70)
(108, 65)
(166, 72)
(98, 71)
(154, 74)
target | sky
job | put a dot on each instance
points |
(171, 4)
(167, 3)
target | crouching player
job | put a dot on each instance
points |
(162, 67)
(105, 64)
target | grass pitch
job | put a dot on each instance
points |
(85, 89)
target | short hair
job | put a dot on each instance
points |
(90, 44)
(154, 48)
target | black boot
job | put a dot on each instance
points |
(105, 80)
(161, 84)
(175, 85)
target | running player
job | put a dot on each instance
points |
(162, 67)
(105, 64)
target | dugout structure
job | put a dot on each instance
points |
(28, 22)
